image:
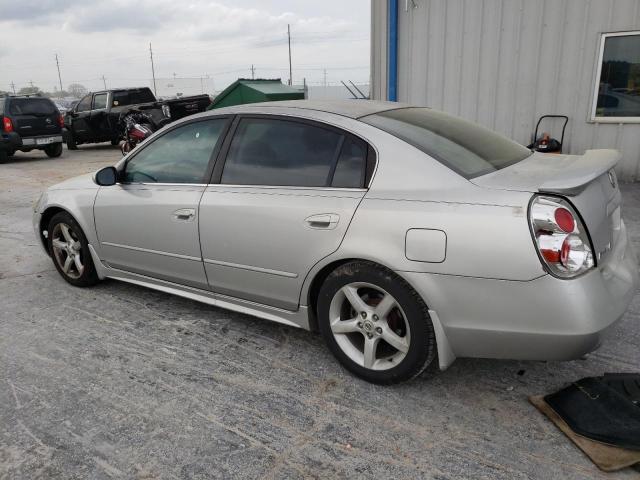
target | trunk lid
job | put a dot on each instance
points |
(587, 181)
(34, 116)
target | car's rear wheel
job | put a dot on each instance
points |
(70, 251)
(54, 150)
(375, 323)
(71, 141)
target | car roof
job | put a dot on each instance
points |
(346, 108)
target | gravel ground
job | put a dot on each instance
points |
(119, 381)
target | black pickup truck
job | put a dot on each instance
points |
(95, 117)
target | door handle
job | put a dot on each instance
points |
(325, 221)
(184, 214)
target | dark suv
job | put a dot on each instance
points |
(30, 123)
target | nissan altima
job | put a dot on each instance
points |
(405, 236)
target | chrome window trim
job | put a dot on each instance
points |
(593, 118)
(286, 187)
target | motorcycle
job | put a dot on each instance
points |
(135, 127)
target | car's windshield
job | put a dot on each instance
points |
(463, 146)
(132, 97)
(32, 106)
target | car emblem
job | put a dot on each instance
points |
(48, 120)
(612, 178)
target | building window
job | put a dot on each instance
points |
(617, 95)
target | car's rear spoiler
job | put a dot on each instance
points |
(582, 170)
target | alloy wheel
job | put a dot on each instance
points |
(369, 326)
(67, 250)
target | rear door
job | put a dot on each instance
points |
(80, 117)
(148, 222)
(286, 194)
(34, 116)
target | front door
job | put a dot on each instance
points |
(148, 222)
(80, 120)
(286, 196)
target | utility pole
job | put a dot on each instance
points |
(253, 72)
(59, 77)
(325, 77)
(13, 87)
(289, 37)
(31, 83)
(104, 81)
(153, 71)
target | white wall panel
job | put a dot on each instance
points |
(503, 63)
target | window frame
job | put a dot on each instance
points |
(77, 109)
(206, 178)
(93, 101)
(370, 163)
(593, 118)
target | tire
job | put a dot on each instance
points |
(85, 276)
(54, 151)
(71, 141)
(406, 323)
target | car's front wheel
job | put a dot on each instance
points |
(375, 323)
(70, 251)
(54, 151)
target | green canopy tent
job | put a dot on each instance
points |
(252, 91)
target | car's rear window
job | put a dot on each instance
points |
(463, 146)
(132, 97)
(32, 106)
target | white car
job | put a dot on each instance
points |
(401, 233)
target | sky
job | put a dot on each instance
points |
(190, 39)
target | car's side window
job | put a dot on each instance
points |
(99, 101)
(84, 105)
(352, 164)
(180, 156)
(281, 153)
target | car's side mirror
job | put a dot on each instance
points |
(106, 177)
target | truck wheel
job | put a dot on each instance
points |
(71, 142)
(54, 151)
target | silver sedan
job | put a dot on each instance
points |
(402, 234)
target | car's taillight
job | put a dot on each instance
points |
(560, 236)
(7, 124)
(61, 121)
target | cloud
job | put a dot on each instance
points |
(33, 10)
(198, 20)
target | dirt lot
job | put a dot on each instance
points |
(119, 381)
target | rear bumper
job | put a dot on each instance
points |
(39, 141)
(543, 319)
(13, 141)
(10, 141)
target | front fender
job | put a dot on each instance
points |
(79, 204)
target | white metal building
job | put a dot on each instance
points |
(504, 63)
